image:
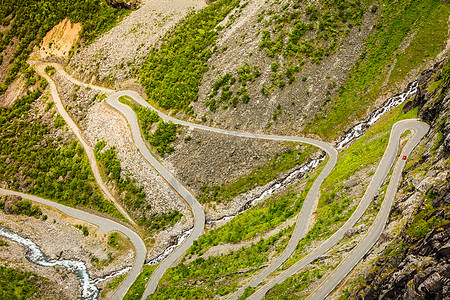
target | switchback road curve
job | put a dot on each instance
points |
(199, 219)
(89, 152)
(105, 225)
(307, 208)
(419, 129)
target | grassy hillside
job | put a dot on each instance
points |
(424, 22)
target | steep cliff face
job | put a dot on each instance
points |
(417, 265)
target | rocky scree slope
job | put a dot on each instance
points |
(297, 84)
(114, 57)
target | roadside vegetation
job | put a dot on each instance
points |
(261, 218)
(138, 287)
(161, 137)
(23, 207)
(279, 164)
(334, 206)
(425, 21)
(130, 194)
(300, 283)
(172, 73)
(33, 162)
(29, 21)
(205, 278)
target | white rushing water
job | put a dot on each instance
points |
(348, 137)
(394, 101)
(35, 255)
(169, 249)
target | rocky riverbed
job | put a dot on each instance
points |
(59, 239)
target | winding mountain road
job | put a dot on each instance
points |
(88, 149)
(197, 209)
(419, 129)
(105, 225)
(390, 154)
(303, 217)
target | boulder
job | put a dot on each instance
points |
(10, 202)
(432, 284)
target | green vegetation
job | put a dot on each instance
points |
(165, 133)
(3, 243)
(263, 217)
(262, 175)
(159, 221)
(218, 275)
(25, 207)
(113, 241)
(424, 222)
(130, 194)
(325, 23)
(396, 22)
(172, 73)
(33, 162)
(333, 208)
(297, 283)
(50, 70)
(138, 287)
(83, 229)
(114, 284)
(30, 20)
(15, 284)
(291, 35)
(245, 75)
(247, 293)
(58, 122)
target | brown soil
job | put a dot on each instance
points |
(60, 40)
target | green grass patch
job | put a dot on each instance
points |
(431, 36)
(218, 275)
(333, 208)
(262, 175)
(396, 21)
(138, 287)
(263, 217)
(297, 284)
(422, 222)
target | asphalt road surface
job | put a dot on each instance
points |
(389, 157)
(302, 218)
(420, 129)
(105, 225)
(89, 151)
(305, 214)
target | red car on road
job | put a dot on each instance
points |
(404, 157)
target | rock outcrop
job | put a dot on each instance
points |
(417, 265)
